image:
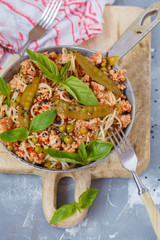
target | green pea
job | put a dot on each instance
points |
(70, 128)
(48, 165)
(45, 147)
(83, 130)
(68, 139)
(10, 148)
(103, 64)
(62, 128)
(38, 149)
(104, 69)
(14, 104)
(34, 139)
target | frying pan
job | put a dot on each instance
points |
(127, 41)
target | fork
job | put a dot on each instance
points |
(129, 161)
(42, 27)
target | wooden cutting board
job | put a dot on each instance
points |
(137, 63)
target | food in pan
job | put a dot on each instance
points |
(57, 110)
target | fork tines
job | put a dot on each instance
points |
(49, 14)
(118, 138)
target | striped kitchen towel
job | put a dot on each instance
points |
(76, 21)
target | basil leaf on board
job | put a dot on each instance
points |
(62, 213)
(42, 121)
(4, 89)
(14, 135)
(64, 70)
(63, 156)
(77, 206)
(82, 152)
(98, 150)
(47, 66)
(80, 91)
(86, 198)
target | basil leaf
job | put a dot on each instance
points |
(47, 66)
(86, 198)
(62, 213)
(7, 101)
(80, 91)
(77, 206)
(14, 135)
(42, 121)
(64, 70)
(82, 152)
(4, 89)
(98, 150)
(63, 156)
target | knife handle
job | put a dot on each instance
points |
(12, 60)
(153, 212)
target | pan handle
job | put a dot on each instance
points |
(50, 182)
(136, 31)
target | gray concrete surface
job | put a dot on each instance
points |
(117, 213)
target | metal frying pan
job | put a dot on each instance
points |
(127, 41)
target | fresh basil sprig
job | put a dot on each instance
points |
(4, 89)
(82, 152)
(14, 135)
(85, 200)
(46, 65)
(64, 71)
(98, 150)
(38, 123)
(80, 91)
(95, 151)
(42, 121)
(63, 156)
(62, 213)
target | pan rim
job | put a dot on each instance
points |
(90, 165)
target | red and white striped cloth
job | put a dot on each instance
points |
(76, 21)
